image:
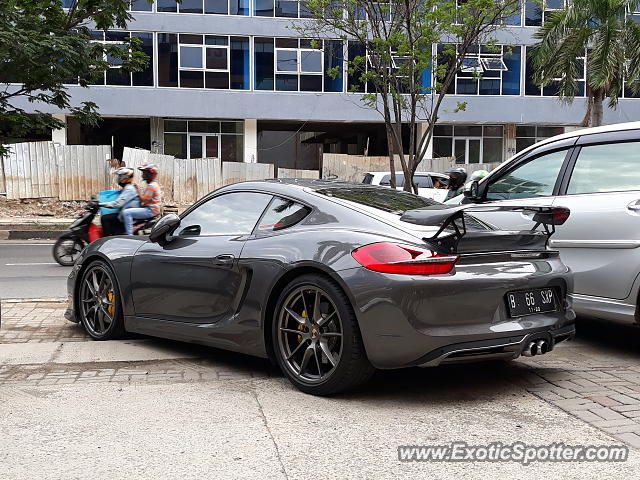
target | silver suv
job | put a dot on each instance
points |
(594, 172)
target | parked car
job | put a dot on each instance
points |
(424, 180)
(330, 280)
(594, 172)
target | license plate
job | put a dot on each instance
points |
(530, 302)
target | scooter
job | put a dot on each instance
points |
(83, 231)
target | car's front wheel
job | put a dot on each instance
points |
(98, 302)
(316, 338)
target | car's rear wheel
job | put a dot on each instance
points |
(316, 338)
(99, 302)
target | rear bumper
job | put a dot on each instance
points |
(410, 321)
(494, 349)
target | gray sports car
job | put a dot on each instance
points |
(331, 281)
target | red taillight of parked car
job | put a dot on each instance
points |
(393, 258)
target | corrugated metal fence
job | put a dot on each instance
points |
(45, 169)
(351, 168)
(75, 172)
(185, 180)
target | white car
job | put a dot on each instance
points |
(424, 180)
(595, 173)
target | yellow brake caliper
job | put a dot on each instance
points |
(301, 327)
(111, 296)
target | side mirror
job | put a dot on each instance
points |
(165, 226)
(472, 191)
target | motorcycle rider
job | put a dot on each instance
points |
(128, 198)
(457, 179)
(150, 199)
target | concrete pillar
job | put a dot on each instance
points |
(509, 141)
(157, 134)
(251, 140)
(422, 127)
(60, 135)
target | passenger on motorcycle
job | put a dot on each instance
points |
(150, 198)
(457, 178)
(128, 198)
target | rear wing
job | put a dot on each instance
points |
(450, 219)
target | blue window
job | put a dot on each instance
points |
(220, 7)
(141, 6)
(145, 77)
(166, 6)
(263, 8)
(191, 57)
(167, 60)
(333, 57)
(239, 7)
(191, 6)
(240, 63)
(264, 63)
(511, 77)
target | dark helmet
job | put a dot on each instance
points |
(124, 175)
(457, 177)
(149, 172)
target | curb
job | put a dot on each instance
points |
(34, 300)
(30, 234)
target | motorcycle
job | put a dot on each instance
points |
(83, 232)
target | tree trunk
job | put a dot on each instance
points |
(392, 160)
(597, 110)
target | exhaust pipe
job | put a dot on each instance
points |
(530, 350)
(542, 347)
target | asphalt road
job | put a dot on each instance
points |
(28, 270)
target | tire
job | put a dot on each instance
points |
(67, 249)
(98, 303)
(327, 356)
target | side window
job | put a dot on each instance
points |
(422, 181)
(229, 214)
(606, 168)
(535, 178)
(386, 180)
(282, 213)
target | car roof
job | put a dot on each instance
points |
(614, 127)
(402, 173)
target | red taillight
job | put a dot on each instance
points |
(560, 215)
(393, 258)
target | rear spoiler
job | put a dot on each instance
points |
(452, 217)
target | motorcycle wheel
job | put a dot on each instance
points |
(67, 249)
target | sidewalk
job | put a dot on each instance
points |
(177, 397)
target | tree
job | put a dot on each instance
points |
(603, 34)
(44, 48)
(397, 60)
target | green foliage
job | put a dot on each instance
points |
(43, 47)
(600, 30)
(399, 36)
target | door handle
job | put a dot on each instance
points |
(634, 206)
(224, 259)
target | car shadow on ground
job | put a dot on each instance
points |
(622, 338)
(467, 382)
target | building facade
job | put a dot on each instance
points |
(232, 79)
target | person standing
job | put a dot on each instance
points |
(150, 199)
